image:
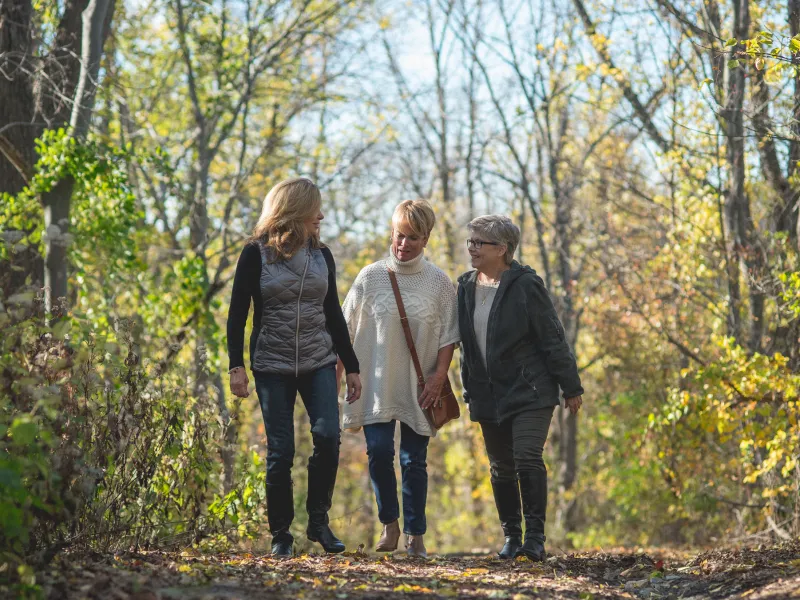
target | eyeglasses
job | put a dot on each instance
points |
(478, 243)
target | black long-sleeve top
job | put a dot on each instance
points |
(246, 287)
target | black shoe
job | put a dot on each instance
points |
(506, 499)
(510, 548)
(533, 549)
(533, 488)
(282, 545)
(323, 534)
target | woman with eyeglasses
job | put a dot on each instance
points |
(514, 360)
(390, 393)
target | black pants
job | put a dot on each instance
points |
(515, 446)
(515, 449)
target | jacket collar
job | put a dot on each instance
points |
(514, 272)
(469, 279)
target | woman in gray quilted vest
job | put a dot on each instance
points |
(298, 333)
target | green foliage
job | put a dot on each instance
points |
(21, 223)
(733, 422)
(103, 213)
(99, 445)
(96, 449)
(791, 292)
(774, 54)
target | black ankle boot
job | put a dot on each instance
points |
(533, 549)
(323, 534)
(282, 545)
(506, 499)
(511, 547)
(533, 485)
(322, 468)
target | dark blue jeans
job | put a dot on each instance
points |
(414, 470)
(277, 394)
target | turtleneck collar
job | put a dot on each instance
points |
(408, 267)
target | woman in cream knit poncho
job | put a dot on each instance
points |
(389, 383)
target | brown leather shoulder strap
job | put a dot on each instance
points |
(406, 328)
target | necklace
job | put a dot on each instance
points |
(487, 291)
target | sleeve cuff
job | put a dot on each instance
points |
(350, 364)
(574, 392)
(451, 341)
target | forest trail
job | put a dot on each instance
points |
(766, 573)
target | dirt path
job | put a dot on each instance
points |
(761, 574)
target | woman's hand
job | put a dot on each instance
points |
(432, 390)
(353, 387)
(574, 404)
(239, 382)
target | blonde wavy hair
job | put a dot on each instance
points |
(281, 226)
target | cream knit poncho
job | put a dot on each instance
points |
(389, 383)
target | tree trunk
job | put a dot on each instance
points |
(16, 95)
(567, 470)
(789, 219)
(17, 130)
(443, 136)
(742, 236)
(736, 211)
(564, 204)
(229, 437)
(568, 446)
(95, 25)
(56, 224)
(96, 21)
(770, 158)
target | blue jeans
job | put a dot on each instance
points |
(276, 394)
(413, 466)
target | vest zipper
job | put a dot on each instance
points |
(297, 330)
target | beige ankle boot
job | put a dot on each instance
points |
(389, 538)
(415, 546)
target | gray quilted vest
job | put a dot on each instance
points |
(294, 337)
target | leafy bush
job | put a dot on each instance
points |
(98, 450)
(99, 447)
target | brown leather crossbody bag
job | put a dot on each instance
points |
(445, 409)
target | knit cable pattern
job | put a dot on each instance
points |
(389, 383)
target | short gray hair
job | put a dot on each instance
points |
(497, 228)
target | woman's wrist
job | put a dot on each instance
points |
(235, 370)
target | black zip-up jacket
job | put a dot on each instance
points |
(527, 355)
